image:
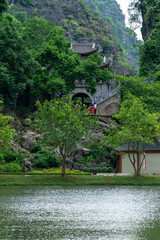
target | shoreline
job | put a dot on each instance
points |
(78, 180)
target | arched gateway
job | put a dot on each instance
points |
(83, 97)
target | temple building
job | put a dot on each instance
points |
(103, 90)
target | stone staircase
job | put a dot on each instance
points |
(107, 95)
(108, 104)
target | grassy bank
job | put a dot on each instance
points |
(8, 180)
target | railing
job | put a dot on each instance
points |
(107, 95)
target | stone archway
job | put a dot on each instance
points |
(83, 97)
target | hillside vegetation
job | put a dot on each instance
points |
(80, 24)
(109, 10)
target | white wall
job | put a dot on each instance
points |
(152, 163)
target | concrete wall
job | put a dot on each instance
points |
(152, 163)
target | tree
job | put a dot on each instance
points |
(137, 127)
(92, 75)
(6, 131)
(62, 125)
(3, 6)
(16, 63)
(141, 87)
(149, 60)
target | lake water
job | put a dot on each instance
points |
(88, 213)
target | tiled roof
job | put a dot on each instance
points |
(148, 147)
(84, 49)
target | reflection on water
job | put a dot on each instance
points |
(105, 213)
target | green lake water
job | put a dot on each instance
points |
(88, 213)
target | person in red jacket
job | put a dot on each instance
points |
(92, 109)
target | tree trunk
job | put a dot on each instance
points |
(63, 166)
(135, 170)
(133, 162)
(138, 164)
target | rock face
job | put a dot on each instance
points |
(86, 152)
(66, 13)
(109, 107)
(79, 153)
(15, 146)
(76, 156)
(27, 163)
(27, 122)
(28, 139)
(78, 166)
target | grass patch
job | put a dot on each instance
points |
(78, 180)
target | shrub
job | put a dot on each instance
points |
(21, 16)
(86, 169)
(26, 3)
(1, 158)
(66, 8)
(40, 163)
(46, 159)
(35, 148)
(110, 169)
(104, 169)
(85, 160)
(79, 33)
(64, 23)
(92, 169)
(98, 152)
(11, 167)
(99, 169)
(103, 164)
(1, 168)
(58, 171)
(10, 156)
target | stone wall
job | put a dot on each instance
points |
(109, 106)
(101, 89)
